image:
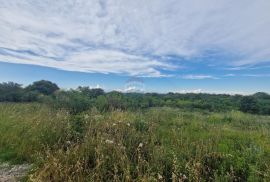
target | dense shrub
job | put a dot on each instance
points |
(249, 104)
(72, 101)
(83, 98)
(11, 92)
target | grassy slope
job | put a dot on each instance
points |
(165, 144)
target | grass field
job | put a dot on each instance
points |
(159, 144)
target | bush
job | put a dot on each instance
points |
(11, 92)
(249, 104)
(72, 101)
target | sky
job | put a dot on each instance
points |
(170, 46)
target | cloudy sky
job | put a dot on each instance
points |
(174, 45)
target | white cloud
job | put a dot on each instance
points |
(195, 91)
(131, 89)
(229, 75)
(132, 37)
(97, 86)
(255, 75)
(102, 61)
(198, 77)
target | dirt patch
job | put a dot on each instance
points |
(13, 173)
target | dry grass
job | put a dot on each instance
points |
(156, 145)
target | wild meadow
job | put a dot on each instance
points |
(134, 90)
(154, 144)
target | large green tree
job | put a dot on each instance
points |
(249, 104)
(43, 86)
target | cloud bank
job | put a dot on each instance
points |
(135, 38)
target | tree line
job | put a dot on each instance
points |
(83, 98)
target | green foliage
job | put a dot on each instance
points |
(84, 98)
(158, 144)
(102, 103)
(116, 100)
(11, 92)
(249, 104)
(77, 127)
(30, 96)
(72, 101)
(141, 126)
(27, 129)
(43, 87)
(92, 93)
(263, 102)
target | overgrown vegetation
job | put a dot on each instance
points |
(158, 144)
(89, 135)
(84, 98)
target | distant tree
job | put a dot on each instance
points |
(261, 95)
(84, 98)
(92, 93)
(97, 92)
(249, 104)
(30, 96)
(263, 102)
(43, 87)
(71, 100)
(10, 91)
(115, 100)
(102, 103)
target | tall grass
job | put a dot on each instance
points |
(159, 144)
(26, 129)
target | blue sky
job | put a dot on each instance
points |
(174, 45)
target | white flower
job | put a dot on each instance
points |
(184, 176)
(140, 145)
(160, 176)
(86, 116)
(123, 147)
(114, 124)
(109, 141)
(128, 124)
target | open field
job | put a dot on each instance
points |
(159, 144)
(134, 91)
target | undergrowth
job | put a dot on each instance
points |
(159, 144)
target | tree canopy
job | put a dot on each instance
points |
(43, 86)
(83, 98)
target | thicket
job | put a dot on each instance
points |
(84, 98)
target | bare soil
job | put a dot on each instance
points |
(13, 173)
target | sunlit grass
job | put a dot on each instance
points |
(160, 144)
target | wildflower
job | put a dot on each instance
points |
(184, 177)
(128, 124)
(86, 116)
(140, 145)
(160, 176)
(109, 141)
(114, 124)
